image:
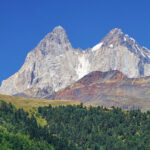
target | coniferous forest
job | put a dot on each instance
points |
(74, 128)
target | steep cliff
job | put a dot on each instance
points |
(54, 63)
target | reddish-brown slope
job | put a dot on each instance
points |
(110, 88)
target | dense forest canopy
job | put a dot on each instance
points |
(74, 128)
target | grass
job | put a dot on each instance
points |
(30, 103)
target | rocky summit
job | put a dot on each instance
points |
(54, 64)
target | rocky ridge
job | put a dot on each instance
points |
(54, 64)
(109, 89)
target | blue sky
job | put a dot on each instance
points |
(23, 23)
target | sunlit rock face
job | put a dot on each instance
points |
(54, 63)
(120, 52)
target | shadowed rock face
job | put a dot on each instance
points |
(109, 89)
(54, 64)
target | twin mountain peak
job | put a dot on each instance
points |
(54, 64)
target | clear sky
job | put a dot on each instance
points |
(23, 23)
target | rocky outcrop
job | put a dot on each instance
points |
(109, 89)
(54, 64)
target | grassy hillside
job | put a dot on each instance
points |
(70, 128)
(29, 103)
(19, 131)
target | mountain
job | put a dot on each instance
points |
(54, 64)
(50, 66)
(109, 89)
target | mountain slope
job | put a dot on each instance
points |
(54, 64)
(109, 89)
(29, 103)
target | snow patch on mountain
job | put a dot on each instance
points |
(111, 45)
(83, 66)
(96, 47)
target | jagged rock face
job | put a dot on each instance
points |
(54, 64)
(118, 51)
(50, 65)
